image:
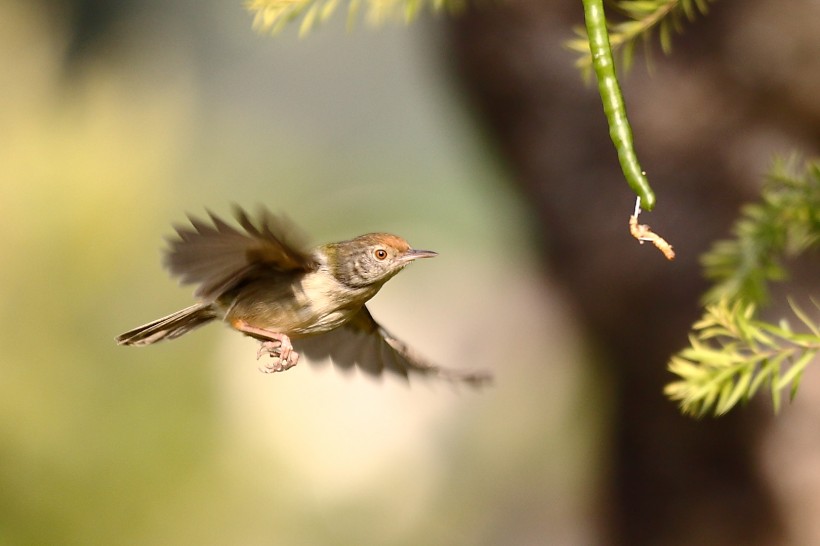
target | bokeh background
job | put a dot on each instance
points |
(474, 137)
(181, 106)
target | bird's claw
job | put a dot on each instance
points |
(272, 348)
(275, 344)
(283, 357)
(279, 364)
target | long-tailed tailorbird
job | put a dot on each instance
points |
(264, 283)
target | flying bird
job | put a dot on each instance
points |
(263, 282)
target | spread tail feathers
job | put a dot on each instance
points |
(174, 325)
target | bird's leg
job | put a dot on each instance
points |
(276, 344)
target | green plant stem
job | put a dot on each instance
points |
(612, 98)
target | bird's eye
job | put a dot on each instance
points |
(380, 254)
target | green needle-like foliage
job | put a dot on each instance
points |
(642, 18)
(732, 355)
(273, 15)
(785, 223)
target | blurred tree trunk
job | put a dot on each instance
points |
(705, 127)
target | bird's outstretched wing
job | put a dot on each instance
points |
(216, 255)
(364, 343)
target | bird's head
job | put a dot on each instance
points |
(370, 260)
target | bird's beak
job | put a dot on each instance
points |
(412, 254)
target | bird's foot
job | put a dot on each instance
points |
(270, 347)
(275, 344)
(282, 357)
(278, 364)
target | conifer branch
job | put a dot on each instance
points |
(785, 223)
(732, 354)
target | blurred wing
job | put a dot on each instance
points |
(216, 255)
(362, 342)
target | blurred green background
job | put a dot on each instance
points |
(186, 442)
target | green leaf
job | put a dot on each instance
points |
(734, 393)
(796, 384)
(688, 8)
(796, 369)
(708, 400)
(308, 19)
(685, 368)
(328, 9)
(665, 36)
(352, 12)
(776, 401)
(762, 375)
(804, 318)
